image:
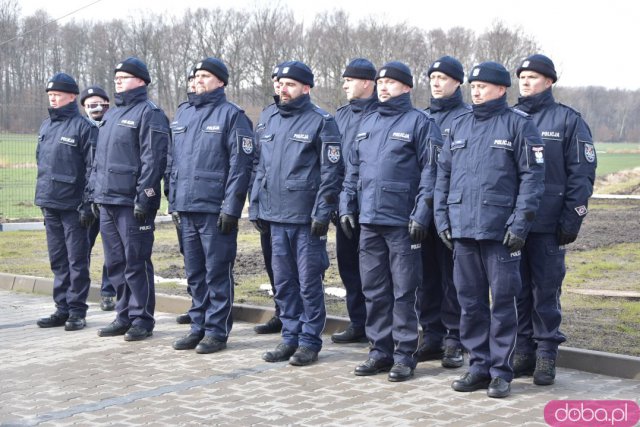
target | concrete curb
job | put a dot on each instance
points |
(597, 362)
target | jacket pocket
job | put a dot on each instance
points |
(301, 194)
(122, 179)
(394, 199)
(64, 187)
(495, 211)
(208, 187)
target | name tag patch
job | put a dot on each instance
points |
(460, 143)
(401, 136)
(551, 134)
(302, 137)
(212, 128)
(502, 143)
(68, 141)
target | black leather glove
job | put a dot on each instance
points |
(564, 237)
(348, 224)
(227, 223)
(512, 241)
(334, 218)
(446, 238)
(175, 217)
(140, 213)
(319, 228)
(86, 218)
(95, 208)
(417, 232)
(261, 226)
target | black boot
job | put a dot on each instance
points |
(272, 326)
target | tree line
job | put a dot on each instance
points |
(251, 42)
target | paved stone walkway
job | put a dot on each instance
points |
(52, 377)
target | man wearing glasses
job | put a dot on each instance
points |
(130, 160)
(95, 102)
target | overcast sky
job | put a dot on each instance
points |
(590, 44)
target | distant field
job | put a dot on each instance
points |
(18, 174)
(18, 171)
(614, 157)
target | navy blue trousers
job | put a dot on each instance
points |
(299, 261)
(68, 246)
(391, 269)
(349, 268)
(488, 332)
(439, 307)
(208, 260)
(127, 252)
(265, 244)
(106, 288)
(539, 312)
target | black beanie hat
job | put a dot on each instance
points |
(93, 91)
(490, 72)
(296, 70)
(449, 66)
(540, 64)
(360, 68)
(396, 70)
(134, 66)
(215, 67)
(63, 82)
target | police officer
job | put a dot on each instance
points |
(439, 307)
(359, 86)
(490, 181)
(390, 176)
(569, 174)
(296, 188)
(211, 168)
(95, 102)
(273, 325)
(184, 318)
(130, 161)
(63, 156)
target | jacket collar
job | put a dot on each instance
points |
(131, 97)
(297, 106)
(63, 113)
(394, 106)
(364, 104)
(446, 104)
(534, 103)
(490, 108)
(214, 97)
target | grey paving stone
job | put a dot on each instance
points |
(53, 377)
